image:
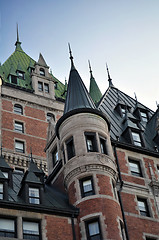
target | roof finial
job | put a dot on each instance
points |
(109, 78)
(18, 43)
(157, 104)
(135, 96)
(90, 68)
(71, 57)
(17, 34)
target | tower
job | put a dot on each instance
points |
(89, 171)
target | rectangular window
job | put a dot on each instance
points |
(135, 168)
(143, 208)
(136, 139)
(55, 156)
(46, 87)
(21, 75)
(93, 230)
(13, 79)
(19, 146)
(103, 145)
(87, 188)
(34, 196)
(1, 191)
(123, 110)
(7, 228)
(18, 127)
(91, 142)
(31, 230)
(70, 148)
(144, 116)
(18, 109)
(40, 86)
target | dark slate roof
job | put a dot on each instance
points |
(77, 95)
(108, 105)
(94, 90)
(3, 163)
(54, 201)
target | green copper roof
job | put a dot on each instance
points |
(20, 61)
(94, 90)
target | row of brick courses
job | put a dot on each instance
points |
(133, 179)
(105, 185)
(58, 228)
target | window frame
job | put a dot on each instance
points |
(87, 224)
(146, 212)
(144, 117)
(21, 76)
(70, 148)
(42, 72)
(40, 86)
(14, 233)
(32, 197)
(46, 87)
(137, 143)
(18, 149)
(32, 235)
(138, 166)
(103, 141)
(18, 129)
(1, 191)
(91, 136)
(16, 107)
(87, 193)
(55, 157)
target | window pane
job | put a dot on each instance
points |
(31, 228)
(40, 86)
(46, 87)
(42, 72)
(144, 116)
(34, 200)
(18, 109)
(19, 146)
(7, 225)
(90, 145)
(135, 168)
(93, 228)
(14, 79)
(33, 192)
(18, 127)
(136, 138)
(87, 185)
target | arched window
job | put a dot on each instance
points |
(42, 72)
(49, 116)
(18, 109)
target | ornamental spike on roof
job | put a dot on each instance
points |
(109, 78)
(77, 94)
(94, 90)
(18, 43)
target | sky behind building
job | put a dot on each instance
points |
(123, 33)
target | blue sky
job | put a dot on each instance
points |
(123, 33)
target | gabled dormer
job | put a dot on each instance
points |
(20, 72)
(32, 186)
(42, 81)
(132, 132)
(121, 107)
(12, 76)
(141, 112)
(6, 170)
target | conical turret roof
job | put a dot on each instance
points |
(94, 90)
(77, 94)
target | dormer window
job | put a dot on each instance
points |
(34, 195)
(136, 138)
(42, 72)
(144, 116)
(123, 111)
(13, 79)
(20, 75)
(1, 191)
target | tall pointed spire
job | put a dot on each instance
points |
(109, 78)
(18, 43)
(71, 57)
(94, 90)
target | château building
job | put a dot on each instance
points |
(74, 164)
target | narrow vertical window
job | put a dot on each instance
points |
(55, 156)
(144, 117)
(135, 168)
(136, 139)
(18, 127)
(42, 72)
(1, 191)
(70, 148)
(91, 142)
(40, 86)
(34, 196)
(46, 87)
(103, 145)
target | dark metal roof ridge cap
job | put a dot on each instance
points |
(142, 150)
(80, 110)
(39, 208)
